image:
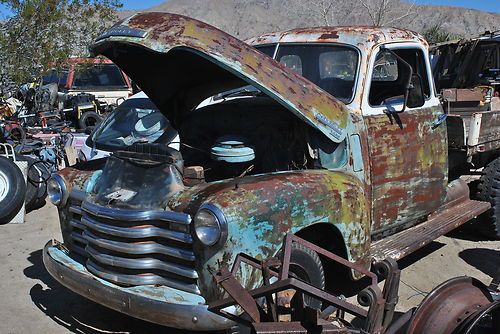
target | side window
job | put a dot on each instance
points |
(292, 61)
(388, 81)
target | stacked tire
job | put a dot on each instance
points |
(488, 190)
(36, 184)
(12, 190)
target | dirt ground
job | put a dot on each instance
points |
(33, 302)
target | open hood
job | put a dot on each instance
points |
(179, 62)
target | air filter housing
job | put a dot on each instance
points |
(232, 149)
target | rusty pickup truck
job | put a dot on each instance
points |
(334, 134)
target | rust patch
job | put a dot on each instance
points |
(408, 166)
(170, 31)
(331, 35)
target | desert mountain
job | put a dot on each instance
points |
(246, 18)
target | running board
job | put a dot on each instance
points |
(405, 242)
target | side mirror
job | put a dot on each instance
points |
(416, 96)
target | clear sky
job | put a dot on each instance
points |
(486, 5)
(140, 4)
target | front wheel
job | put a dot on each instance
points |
(305, 265)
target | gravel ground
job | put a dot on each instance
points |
(33, 302)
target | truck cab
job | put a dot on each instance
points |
(334, 134)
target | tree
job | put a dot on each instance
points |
(42, 34)
(437, 34)
(389, 12)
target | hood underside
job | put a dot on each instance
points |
(179, 62)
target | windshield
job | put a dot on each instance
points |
(332, 67)
(98, 75)
(135, 120)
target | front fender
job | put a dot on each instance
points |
(260, 210)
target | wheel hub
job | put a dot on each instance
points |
(4, 185)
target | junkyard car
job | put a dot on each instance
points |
(467, 73)
(341, 141)
(99, 77)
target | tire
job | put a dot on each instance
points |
(89, 119)
(12, 190)
(306, 266)
(36, 183)
(488, 190)
(31, 187)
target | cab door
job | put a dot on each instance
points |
(408, 149)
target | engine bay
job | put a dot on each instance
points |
(244, 136)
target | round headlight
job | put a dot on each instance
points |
(56, 190)
(209, 225)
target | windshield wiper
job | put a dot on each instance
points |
(242, 91)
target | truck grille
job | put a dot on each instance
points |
(132, 248)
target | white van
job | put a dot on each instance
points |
(137, 119)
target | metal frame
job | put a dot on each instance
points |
(7, 151)
(265, 318)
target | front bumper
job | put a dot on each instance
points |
(161, 305)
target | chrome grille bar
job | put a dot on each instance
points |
(135, 232)
(137, 248)
(143, 263)
(134, 215)
(149, 279)
(76, 210)
(131, 247)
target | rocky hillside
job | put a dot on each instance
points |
(245, 18)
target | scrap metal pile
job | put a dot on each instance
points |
(461, 305)
(43, 124)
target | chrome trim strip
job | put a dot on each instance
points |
(134, 215)
(122, 31)
(143, 263)
(139, 279)
(138, 248)
(135, 232)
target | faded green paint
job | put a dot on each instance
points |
(261, 209)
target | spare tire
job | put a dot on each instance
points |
(12, 190)
(89, 119)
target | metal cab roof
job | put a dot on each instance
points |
(179, 61)
(364, 37)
